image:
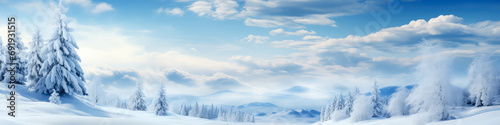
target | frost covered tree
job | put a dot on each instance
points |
(18, 59)
(362, 108)
(35, 59)
(96, 94)
(2, 59)
(434, 92)
(349, 100)
(137, 102)
(54, 98)
(378, 107)
(397, 105)
(160, 104)
(322, 114)
(61, 70)
(194, 111)
(484, 86)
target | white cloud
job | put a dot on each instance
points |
(312, 38)
(316, 20)
(262, 23)
(194, 49)
(102, 7)
(280, 31)
(168, 11)
(201, 8)
(220, 9)
(256, 39)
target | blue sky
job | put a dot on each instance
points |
(198, 47)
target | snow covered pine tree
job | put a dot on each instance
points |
(137, 102)
(20, 68)
(35, 59)
(61, 70)
(160, 104)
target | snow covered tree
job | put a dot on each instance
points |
(434, 92)
(137, 102)
(348, 104)
(378, 107)
(194, 112)
(484, 86)
(340, 102)
(96, 94)
(362, 108)
(2, 60)
(54, 98)
(397, 105)
(35, 59)
(160, 104)
(18, 59)
(61, 70)
(322, 114)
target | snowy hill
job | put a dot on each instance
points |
(34, 109)
(465, 116)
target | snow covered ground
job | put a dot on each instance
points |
(465, 116)
(35, 109)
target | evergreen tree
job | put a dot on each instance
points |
(161, 105)
(3, 60)
(434, 92)
(376, 100)
(194, 112)
(137, 102)
(17, 60)
(54, 98)
(397, 105)
(35, 59)
(61, 70)
(484, 86)
(348, 104)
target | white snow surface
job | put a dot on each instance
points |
(35, 109)
(465, 116)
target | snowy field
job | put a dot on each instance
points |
(465, 116)
(34, 109)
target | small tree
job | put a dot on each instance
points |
(362, 108)
(137, 100)
(54, 98)
(161, 105)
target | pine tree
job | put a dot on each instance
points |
(35, 59)
(434, 92)
(397, 105)
(61, 70)
(96, 93)
(376, 99)
(3, 60)
(322, 115)
(484, 86)
(17, 60)
(54, 98)
(348, 104)
(340, 102)
(161, 105)
(194, 112)
(137, 102)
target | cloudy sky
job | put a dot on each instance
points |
(264, 47)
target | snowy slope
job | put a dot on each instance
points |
(34, 109)
(465, 116)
